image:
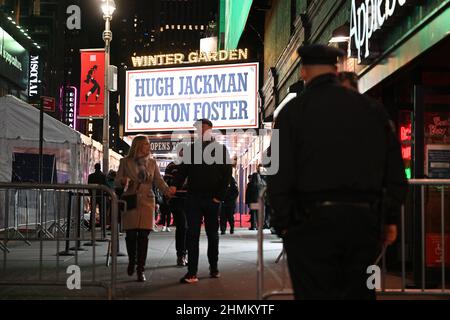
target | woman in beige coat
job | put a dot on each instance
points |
(137, 173)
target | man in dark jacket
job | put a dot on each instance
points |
(252, 198)
(207, 166)
(97, 177)
(339, 160)
(228, 207)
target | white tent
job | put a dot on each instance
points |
(19, 132)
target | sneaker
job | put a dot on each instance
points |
(214, 273)
(168, 229)
(222, 232)
(231, 231)
(189, 279)
(164, 229)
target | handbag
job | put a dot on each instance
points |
(130, 199)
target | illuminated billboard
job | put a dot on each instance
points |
(173, 99)
(13, 60)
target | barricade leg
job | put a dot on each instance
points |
(16, 234)
(4, 248)
(281, 255)
(92, 223)
(78, 226)
(67, 252)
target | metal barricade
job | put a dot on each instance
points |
(261, 295)
(414, 254)
(412, 238)
(55, 216)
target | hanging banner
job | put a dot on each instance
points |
(173, 99)
(92, 83)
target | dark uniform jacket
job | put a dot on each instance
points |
(97, 177)
(335, 144)
(253, 189)
(204, 178)
(231, 194)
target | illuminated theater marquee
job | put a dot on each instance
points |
(193, 57)
(173, 98)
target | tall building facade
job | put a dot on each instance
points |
(162, 26)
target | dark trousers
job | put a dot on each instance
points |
(137, 246)
(329, 252)
(165, 217)
(227, 215)
(253, 218)
(177, 206)
(198, 207)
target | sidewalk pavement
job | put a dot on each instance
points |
(237, 265)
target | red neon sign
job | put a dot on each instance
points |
(405, 133)
(405, 138)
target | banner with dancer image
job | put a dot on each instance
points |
(92, 83)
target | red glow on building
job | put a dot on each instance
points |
(405, 138)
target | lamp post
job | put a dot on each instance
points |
(108, 8)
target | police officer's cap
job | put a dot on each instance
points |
(319, 54)
(200, 122)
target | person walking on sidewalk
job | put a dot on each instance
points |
(207, 184)
(252, 198)
(97, 177)
(137, 173)
(228, 207)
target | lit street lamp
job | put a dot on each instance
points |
(108, 8)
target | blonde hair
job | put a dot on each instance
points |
(136, 146)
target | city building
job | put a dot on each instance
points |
(16, 47)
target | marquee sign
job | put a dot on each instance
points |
(162, 145)
(173, 99)
(370, 16)
(193, 57)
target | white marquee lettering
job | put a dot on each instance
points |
(366, 19)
